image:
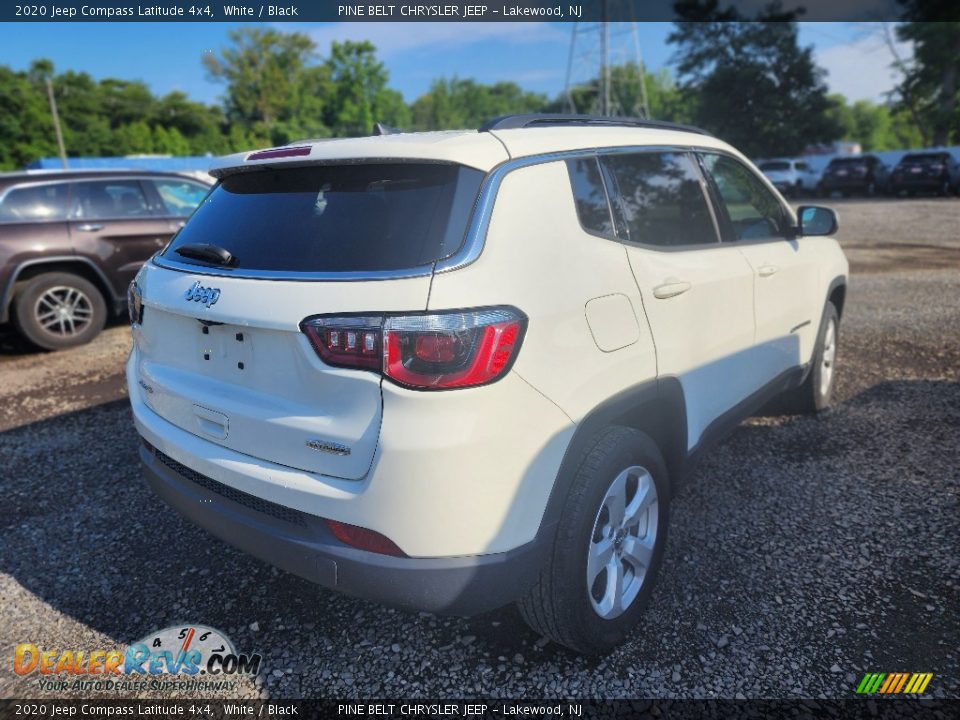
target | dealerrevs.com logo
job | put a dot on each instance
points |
(184, 652)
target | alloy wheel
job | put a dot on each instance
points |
(622, 542)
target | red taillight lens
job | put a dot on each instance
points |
(346, 341)
(436, 351)
(451, 350)
(364, 539)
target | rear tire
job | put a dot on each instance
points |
(55, 311)
(816, 392)
(601, 571)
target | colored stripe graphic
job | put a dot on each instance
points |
(894, 683)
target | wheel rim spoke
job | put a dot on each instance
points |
(598, 559)
(637, 553)
(640, 504)
(63, 311)
(622, 542)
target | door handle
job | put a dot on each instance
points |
(670, 289)
(767, 270)
(90, 227)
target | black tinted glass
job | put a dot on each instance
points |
(35, 203)
(338, 218)
(662, 199)
(923, 159)
(109, 199)
(590, 196)
(776, 165)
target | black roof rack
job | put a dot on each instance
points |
(513, 122)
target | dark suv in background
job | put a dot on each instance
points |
(925, 172)
(855, 174)
(71, 242)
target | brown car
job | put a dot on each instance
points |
(71, 242)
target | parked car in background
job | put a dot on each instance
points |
(855, 175)
(791, 177)
(925, 172)
(348, 365)
(71, 242)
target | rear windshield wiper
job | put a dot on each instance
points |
(213, 254)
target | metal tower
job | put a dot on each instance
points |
(595, 50)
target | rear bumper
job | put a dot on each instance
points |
(846, 183)
(302, 544)
(908, 183)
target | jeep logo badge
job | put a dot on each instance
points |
(199, 293)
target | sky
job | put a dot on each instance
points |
(167, 56)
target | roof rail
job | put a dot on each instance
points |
(512, 122)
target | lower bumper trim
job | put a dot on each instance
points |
(302, 544)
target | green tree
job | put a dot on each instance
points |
(454, 103)
(875, 127)
(25, 122)
(750, 82)
(359, 93)
(930, 88)
(664, 99)
(265, 72)
(135, 138)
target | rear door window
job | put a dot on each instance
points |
(662, 199)
(336, 218)
(109, 200)
(35, 203)
(752, 211)
(178, 197)
(590, 196)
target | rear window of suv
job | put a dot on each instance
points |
(336, 218)
(923, 159)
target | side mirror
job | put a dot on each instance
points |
(815, 220)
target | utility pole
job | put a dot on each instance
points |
(605, 60)
(56, 123)
(595, 50)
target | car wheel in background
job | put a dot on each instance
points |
(608, 548)
(59, 310)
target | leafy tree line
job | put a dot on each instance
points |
(748, 82)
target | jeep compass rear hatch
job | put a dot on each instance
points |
(221, 351)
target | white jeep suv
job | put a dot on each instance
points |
(453, 370)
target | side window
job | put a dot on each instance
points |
(802, 166)
(753, 211)
(590, 196)
(179, 197)
(35, 203)
(662, 199)
(109, 199)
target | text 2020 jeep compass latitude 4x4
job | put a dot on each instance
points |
(452, 370)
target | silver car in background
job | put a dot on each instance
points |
(791, 177)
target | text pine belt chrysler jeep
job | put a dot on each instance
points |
(453, 370)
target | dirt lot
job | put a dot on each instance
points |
(804, 552)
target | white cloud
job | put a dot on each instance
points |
(862, 69)
(397, 37)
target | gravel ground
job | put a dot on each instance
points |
(803, 553)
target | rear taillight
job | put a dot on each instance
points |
(434, 351)
(346, 341)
